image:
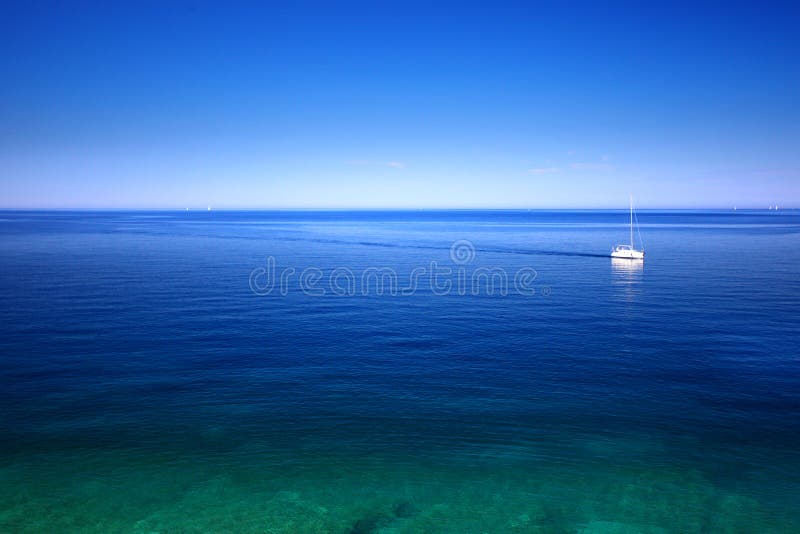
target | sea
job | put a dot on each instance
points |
(463, 371)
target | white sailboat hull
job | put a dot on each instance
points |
(628, 254)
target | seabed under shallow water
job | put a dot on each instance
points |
(103, 494)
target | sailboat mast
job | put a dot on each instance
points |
(632, 221)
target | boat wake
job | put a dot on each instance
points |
(489, 250)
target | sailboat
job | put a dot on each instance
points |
(629, 251)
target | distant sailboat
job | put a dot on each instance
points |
(629, 251)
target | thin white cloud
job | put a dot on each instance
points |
(591, 166)
(543, 170)
(396, 164)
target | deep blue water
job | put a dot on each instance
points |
(147, 388)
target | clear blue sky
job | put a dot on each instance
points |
(399, 105)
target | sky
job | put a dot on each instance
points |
(169, 105)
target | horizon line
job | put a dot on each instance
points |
(378, 208)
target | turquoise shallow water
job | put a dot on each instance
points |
(147, 388)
